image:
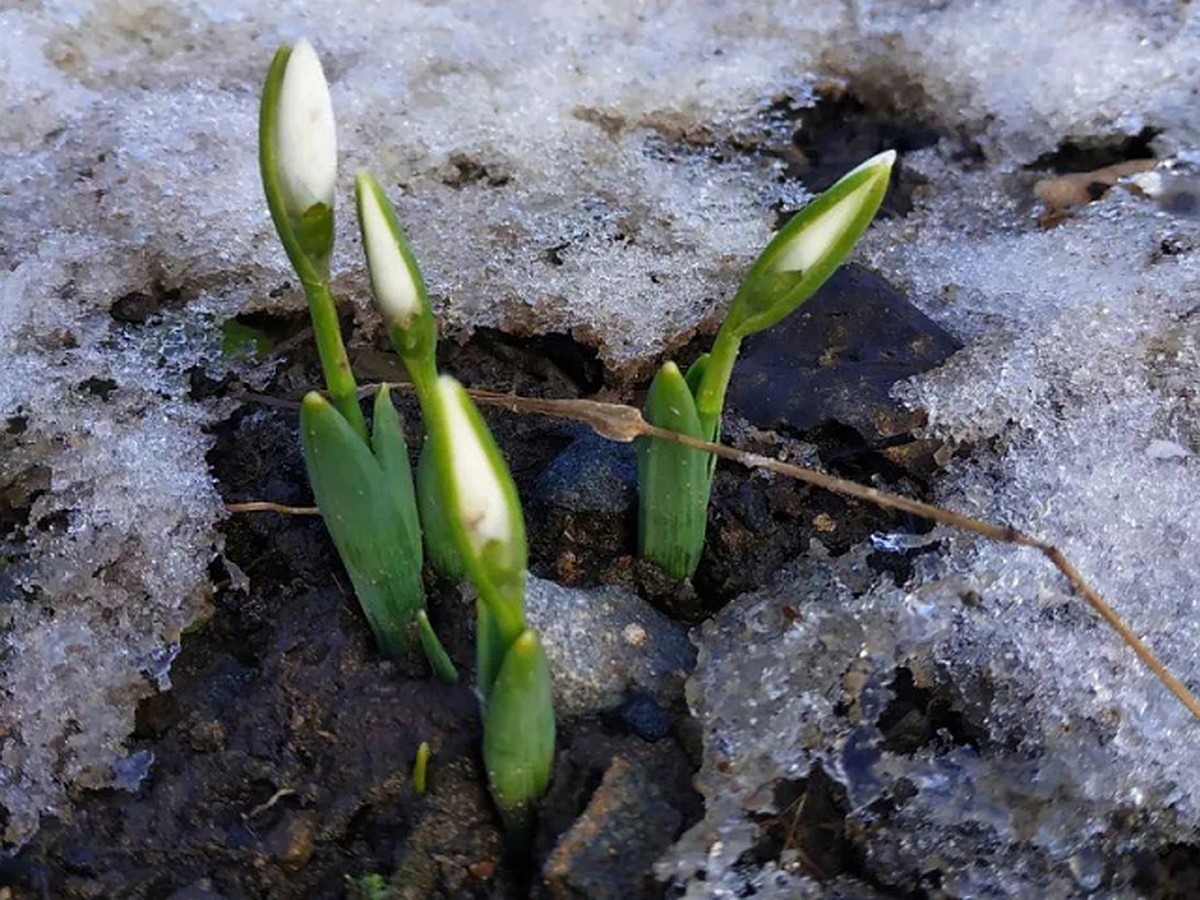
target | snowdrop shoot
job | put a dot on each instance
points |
(513, 677)
(674, 482)
(362, 482)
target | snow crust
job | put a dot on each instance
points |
(591, 169)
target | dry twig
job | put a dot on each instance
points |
(622, 423)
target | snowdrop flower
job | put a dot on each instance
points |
(480, 499)
(305, 137)
(825, 231)
(395, 280)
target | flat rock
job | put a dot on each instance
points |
(836, 359)
(605, 642)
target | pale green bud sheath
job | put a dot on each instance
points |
(396, 283)
(519, 735)
(297, 148)
(482, 505)
(794, 265)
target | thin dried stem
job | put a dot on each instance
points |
(267, 506)
(622, 423)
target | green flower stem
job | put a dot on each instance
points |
(422, 372)
(710, 396)
(339, 377)
(506, 611)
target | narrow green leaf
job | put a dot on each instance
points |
(365, 517)
(391, 452)
(439, 659)
(440, 545)
(674, 482)
(489, 649)
(695, 372)
(518, 734)
(711, 431)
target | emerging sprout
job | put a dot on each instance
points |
(674, 482)
(484, 515)
(421, 768)
(363, 484)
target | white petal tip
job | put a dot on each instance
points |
(884, 160)
(307, 137)
(481, 503)
(394, 284)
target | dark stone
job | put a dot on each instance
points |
(591, 475)
(610, 850)
(643, 715)
(582, 508)
(197, 890)
(80, 862)
(836, 359)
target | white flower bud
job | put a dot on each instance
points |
(818, 238)
(306, 139)
(481, 502)
(393, 282)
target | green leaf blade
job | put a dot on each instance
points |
(439, 659)
(674, 482)
(370, 528)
